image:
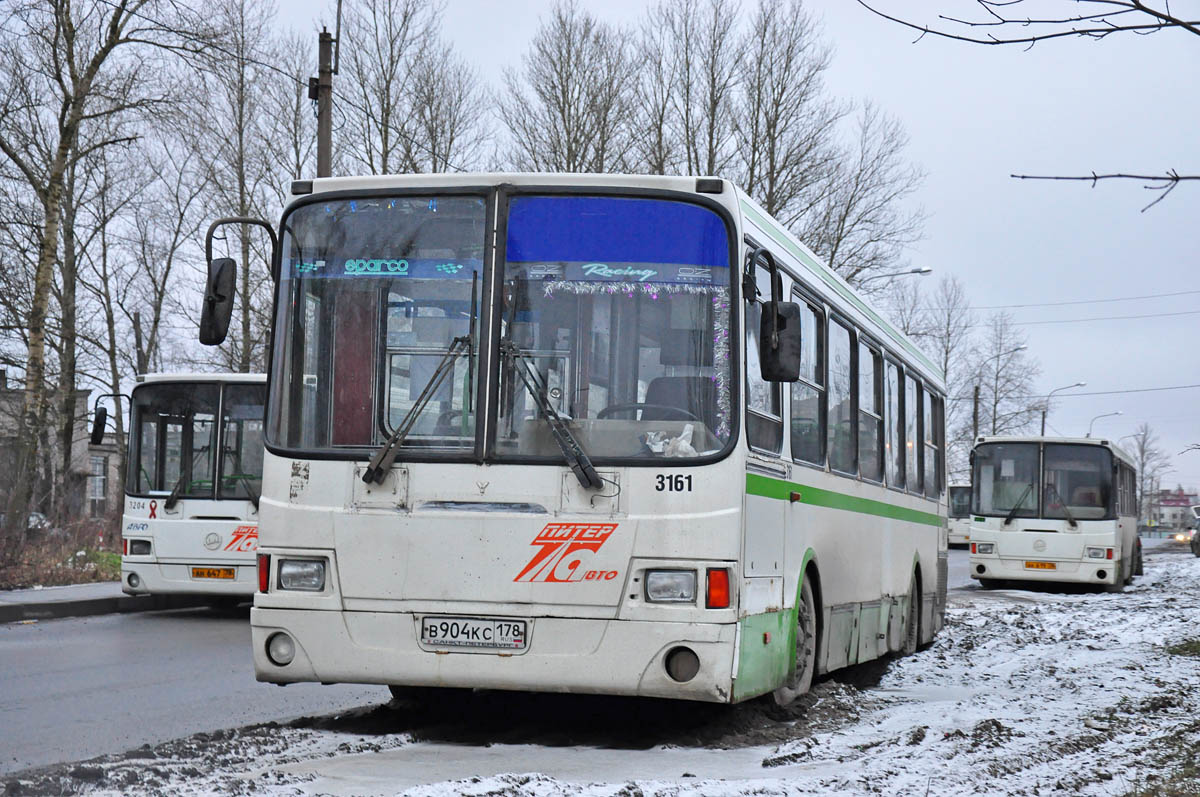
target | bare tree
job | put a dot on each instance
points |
(382, 40)
(1001, 22)
(656, 147)
(1005, 374)
(947, 337)
(568, 109)
(786, 124)
(1151, 462)
(66, 66)
(865, 221)
(448, 107)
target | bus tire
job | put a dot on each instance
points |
(989, 583)
(1138, 568)
(912, 623)
(800, 680)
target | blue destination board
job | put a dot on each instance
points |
(616, 238)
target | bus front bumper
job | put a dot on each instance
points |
(620, 657)
(154, 578)
(1095, 571)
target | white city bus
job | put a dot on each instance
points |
(192, 485)
(959, 531)
(519, 437)
(1053, 509)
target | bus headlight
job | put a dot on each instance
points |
(671, 586)
(302, 574)
(984, 547)
(1095, 553)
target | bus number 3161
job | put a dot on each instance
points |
(673, 484)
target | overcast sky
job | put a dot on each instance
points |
(975, 115)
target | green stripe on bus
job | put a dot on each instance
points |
(768, 225)
(781, 490)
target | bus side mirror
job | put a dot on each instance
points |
(98, 425)
(780, 341)
(218, 301)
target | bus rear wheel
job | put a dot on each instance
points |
(800, 681)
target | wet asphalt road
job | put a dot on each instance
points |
(77, 688)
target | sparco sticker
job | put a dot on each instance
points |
(245, 539)
(564, 550)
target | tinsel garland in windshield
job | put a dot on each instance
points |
(721, 338)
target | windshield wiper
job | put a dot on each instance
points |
(1066, 509)
(381, 463)
(1012, 513)
(572, 451)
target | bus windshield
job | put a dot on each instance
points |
(622, 305)
(1078, 482)
(373, 293)
(1004, 480)
(242, 441)
(960, 502)
(173, 439)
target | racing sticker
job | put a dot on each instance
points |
(564, 549)
(245, 539)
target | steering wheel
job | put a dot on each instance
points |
(612, 409)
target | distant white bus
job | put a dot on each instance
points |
(1053, 509)
(193, 484)
(536, 432)
(960, 514)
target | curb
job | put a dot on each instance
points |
(50, 610)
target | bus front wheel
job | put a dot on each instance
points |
(800, 681)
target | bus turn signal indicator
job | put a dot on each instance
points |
(718, 588)
(264, 571)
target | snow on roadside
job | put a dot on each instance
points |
(1022, 693)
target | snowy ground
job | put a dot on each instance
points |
(1024, 693)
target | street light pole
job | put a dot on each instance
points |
(1105, 415)
(1046, 406)
(922, 270)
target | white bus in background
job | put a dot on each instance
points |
(1053, 509)
(583, 433)
(1194, 541)
(959, 524)
(192, 485)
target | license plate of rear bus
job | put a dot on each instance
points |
(1040, 566)
(214, 572)
(473, 632)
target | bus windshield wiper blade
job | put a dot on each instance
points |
(381, 463)
(1012, 513)
(572, 451)
(1066, 509)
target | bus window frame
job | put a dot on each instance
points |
(835, 317)
(898, 364)
(772, 423)
(865, 340)
(133, 446)
(801, 292)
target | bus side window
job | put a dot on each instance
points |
(870, 413)
(842, 447)
(932, 450)
(894, 448)
(808, 393)
(912, 440)
(764, 400)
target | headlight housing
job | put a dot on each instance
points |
(306, 575)
(985, 547)
(1095, 553)
(671, 586)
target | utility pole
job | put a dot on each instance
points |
(975, 416)
(324, 100)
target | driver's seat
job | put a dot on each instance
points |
(694, 394)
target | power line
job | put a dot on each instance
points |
(1091, 393)
(1102, 318)
(1079, 301)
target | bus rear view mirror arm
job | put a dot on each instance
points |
(222, 272)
